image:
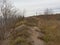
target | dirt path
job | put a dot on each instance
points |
(5, 42)
(35, 35)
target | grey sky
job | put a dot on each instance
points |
(31, 6)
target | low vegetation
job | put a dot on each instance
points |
(49, 25)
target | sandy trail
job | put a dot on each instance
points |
(35, 35)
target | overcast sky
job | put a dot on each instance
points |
(31, 6)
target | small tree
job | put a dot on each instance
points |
(48, 11)
(9, 20)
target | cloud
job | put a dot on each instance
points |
(32, 5)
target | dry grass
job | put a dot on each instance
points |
(49, 26)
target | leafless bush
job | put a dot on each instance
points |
(9, 19)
